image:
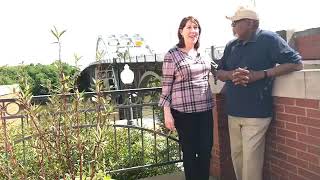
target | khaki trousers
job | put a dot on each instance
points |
(247, 141)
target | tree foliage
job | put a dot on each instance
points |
(39, 76)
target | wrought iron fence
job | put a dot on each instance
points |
(135, 125)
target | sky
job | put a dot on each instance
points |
(25, 24)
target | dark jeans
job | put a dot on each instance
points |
(195, 132)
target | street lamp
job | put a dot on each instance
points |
(127, 77)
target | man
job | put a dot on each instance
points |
(248, 67)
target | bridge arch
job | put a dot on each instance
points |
(146, 77)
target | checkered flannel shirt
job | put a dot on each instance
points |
(185, 85)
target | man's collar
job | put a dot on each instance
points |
(254, 36)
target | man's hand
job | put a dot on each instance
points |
(241, 76)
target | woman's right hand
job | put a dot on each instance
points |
(168, 119)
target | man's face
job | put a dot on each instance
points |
(242, 28)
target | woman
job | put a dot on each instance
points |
(187, 99)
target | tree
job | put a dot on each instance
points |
(39, 76)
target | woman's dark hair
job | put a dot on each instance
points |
(182, 25)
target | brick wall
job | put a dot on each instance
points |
(307, 42)
(293, 141)
(221, 164)
(309, 46)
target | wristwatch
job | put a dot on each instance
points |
(265, 74)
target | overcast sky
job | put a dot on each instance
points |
(25, 24)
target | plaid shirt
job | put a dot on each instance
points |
(185, 85)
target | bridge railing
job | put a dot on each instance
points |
(136, 59)
(136, 138)
(215, 52)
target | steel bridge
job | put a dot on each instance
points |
(114, 52)
(145, 68)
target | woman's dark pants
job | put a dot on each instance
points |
(195, 132)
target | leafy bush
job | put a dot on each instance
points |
(113, 155)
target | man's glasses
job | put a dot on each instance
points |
(234, 23)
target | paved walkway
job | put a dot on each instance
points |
(173, 176)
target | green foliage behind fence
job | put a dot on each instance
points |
(38, 76)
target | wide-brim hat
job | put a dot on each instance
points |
(244, 13)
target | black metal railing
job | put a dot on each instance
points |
(135, 122)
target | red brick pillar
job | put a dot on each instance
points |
(221, 164)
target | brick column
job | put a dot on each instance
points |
(221, 164)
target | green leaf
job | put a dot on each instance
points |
(54, 34)
(62, 32)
